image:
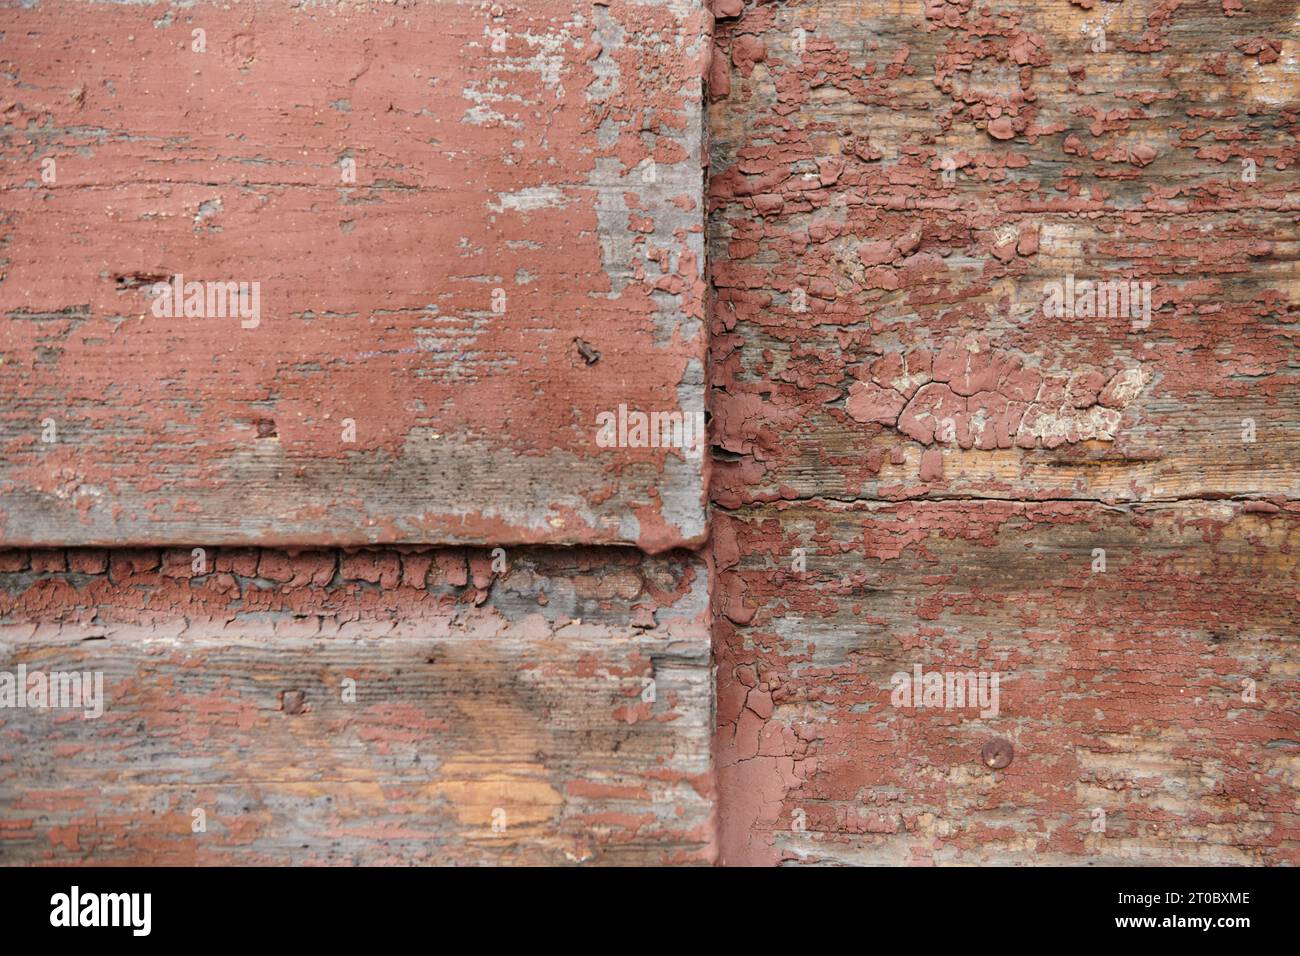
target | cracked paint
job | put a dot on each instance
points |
(485, 724)
(927, 456)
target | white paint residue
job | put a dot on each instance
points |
(526, 200)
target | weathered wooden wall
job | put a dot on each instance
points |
(893, 188)
(915, 463)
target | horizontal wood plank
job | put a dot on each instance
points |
(895, 195)
(1147, 668)
(470, 235)
(381, 707)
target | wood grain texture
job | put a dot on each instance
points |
(920, 458)
(1123, 691)
(472, 233)
(516, 699)
(894, 191)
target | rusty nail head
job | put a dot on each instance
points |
(997, 753)
(589, 355)
(293, 702)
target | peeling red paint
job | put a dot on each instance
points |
(485, 724)
(925, 460)
(434, 202)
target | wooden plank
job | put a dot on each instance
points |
(556, 713)
(473, 230)
(893, 201)
(1157, 698)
